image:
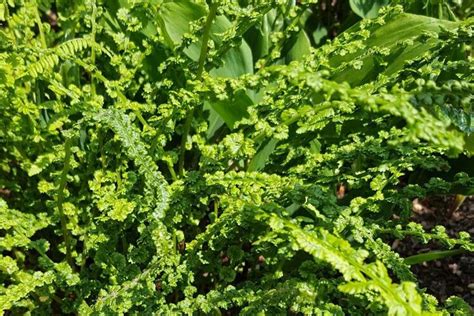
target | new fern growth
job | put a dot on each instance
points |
(182, 157)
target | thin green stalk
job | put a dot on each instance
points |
(102, 152)
(94, 12)
(40, 27)
(62, 186)
(205, 39)
(43, 45)
(451, 13)
(202, 59)
(187, 127)
(171, 170)
(432, 255)
(42, 253)
(216, 209)
(84, 253)
(119, 181)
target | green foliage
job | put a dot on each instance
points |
(184, 157)
(367, 9)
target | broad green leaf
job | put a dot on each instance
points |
(260, 159)
(259, 40)
(237, 61)
(367, 8)
(229, 111)
(2, 12)
(400, 28)
(176, 17)
(319, 34)
(214, 121)
(301, 48)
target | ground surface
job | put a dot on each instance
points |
(449, 276)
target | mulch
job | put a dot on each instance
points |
(449, 276)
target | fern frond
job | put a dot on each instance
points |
(400, 299)
(51, 57)
(156, 186)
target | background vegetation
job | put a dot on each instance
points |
(226, 157)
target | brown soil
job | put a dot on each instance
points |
(449, 276)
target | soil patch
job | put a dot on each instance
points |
(450, 276)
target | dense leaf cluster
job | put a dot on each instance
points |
(176, 157)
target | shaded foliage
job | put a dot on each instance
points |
(192, 156)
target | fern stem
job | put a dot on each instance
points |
(62, 186)
(216, 209)
(102, 152)
(42, 253)
(84, 255)
(205, 39)
(202, 58)
(171, 170)
(40, 26)
(94, 12)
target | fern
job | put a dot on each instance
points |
(400, 299)
(156, 190)
(50, 59)
(225, 157)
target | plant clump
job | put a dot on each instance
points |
(181, 157)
